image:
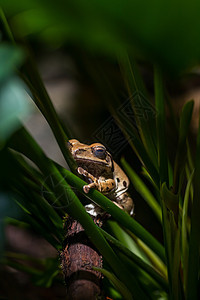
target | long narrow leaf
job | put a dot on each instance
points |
(182, 148)
(137, 92)
(117, 283)
(194, 238)
(146, 267)
(137, 145)
(160, 124)
(142, 189)
(184, 229)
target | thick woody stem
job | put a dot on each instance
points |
(77, 259)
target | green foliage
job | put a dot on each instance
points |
(118, 285)
(136, 260)
(47, 270)
(13, 97)
(164, 31)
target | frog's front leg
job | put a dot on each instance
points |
(102, 185)
(85, 173)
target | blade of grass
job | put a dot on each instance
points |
(124, 120)
(17, 223)
(194, 238)
(146, 174)
(156, 262)
(148, 284)
(167, 236)
(139, 101)
(38, 183)
(6, 27)
(176, 266)
(137, 260)
(181, 152)
(172, 242)
(44, 224)
(136, 144)
(184, 229)
(40, 202)
(32, 200)
(41, 98)
(160, 125)
(142, 189)
(36, 226)
(116, 282)
(32, 78)
(125, 238)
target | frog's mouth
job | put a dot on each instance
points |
(87, 161)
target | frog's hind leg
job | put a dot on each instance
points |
(125, 202)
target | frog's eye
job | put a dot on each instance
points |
(99, 152)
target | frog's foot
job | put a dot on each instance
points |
(86, 188)
(92, 185)
(126, 202)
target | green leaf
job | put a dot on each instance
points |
(137, 260)
(41, 98)
(171, 200)
(142, 189)
(117, 283)
(43, 275)
(126, 239)
(13, 97)
(176, 267)
(181, 152)
(160, 125)
(156, 262)
(184, 229)
(192, 286)
(10, 58)
(172, 241)
(144, 111)
(13, 106)
(101, 27)
(7, 207)
(51, 270)
(137, 145)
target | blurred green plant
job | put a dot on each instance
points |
(165, 32)
(138, 266)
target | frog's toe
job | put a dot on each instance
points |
(86, 189)
(80, 170)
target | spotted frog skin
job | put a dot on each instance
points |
(101, 172)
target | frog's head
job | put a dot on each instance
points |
(90, 155)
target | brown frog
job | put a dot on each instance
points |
(101, 172)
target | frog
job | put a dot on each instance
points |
(102, 173)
